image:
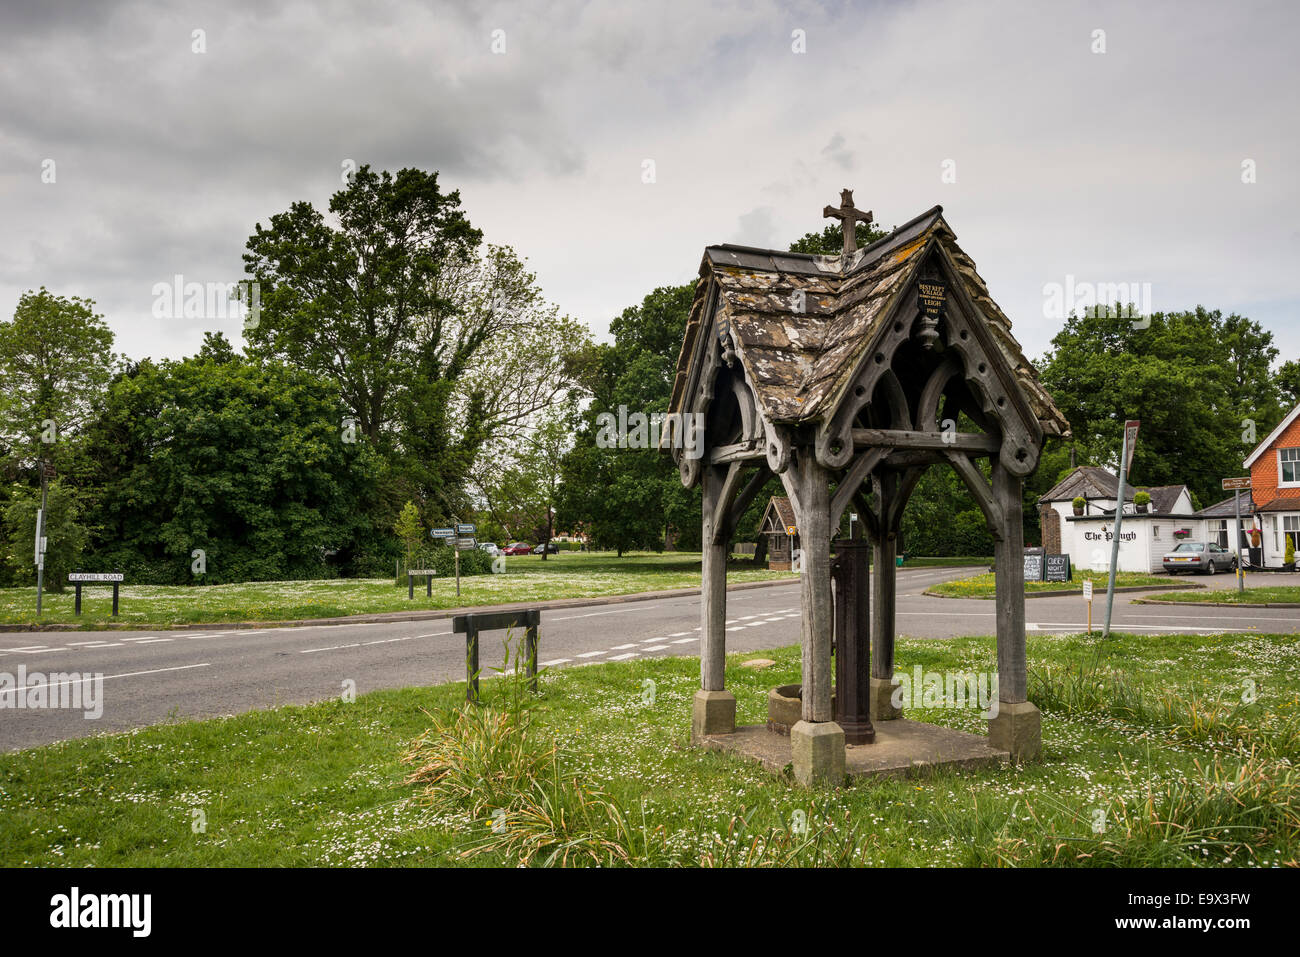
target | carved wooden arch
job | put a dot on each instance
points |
(988, 377)
(718, 358)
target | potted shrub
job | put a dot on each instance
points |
(1142, 500)
(1255, 538)
(1079, 504)
(1288, 560)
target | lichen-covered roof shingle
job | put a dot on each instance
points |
(801, 322)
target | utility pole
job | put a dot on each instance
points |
(1126, 455)
(40, 537)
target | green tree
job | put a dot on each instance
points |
(247, 460)
(1289, 383)
(435, 344)
(55, 361)
(409, 530)
(830, 241)
(521, 491)
(624, 496)
(62, 527)
(1198, 381)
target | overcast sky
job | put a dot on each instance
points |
(1117, 166)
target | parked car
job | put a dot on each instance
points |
(1207, 557)
(551, 547)
(517, 548)
(490, 548)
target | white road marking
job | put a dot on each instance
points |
(630, 654)
(377, 641)
(591, 654)
(97, 641)
(678, 634)
(737, 628)
(129, 674)
(1125, 626)
(655, 648)
(631, 644)
(29, 648)
(682, 641)
(555, 661)
(149, 641)
(593, 614)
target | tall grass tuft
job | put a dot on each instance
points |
(1221, 815)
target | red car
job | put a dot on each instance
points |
(517, 548)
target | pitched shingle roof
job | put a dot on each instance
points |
(802, 321)
(1227, 508)
(1092, 481)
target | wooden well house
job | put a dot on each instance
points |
(848, 376)
(781, 529)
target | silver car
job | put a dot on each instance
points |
(1207, 557)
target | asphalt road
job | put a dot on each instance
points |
(150, 677)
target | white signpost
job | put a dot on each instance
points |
(1087, 596)
(1236, 485)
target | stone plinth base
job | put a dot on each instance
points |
(1018, 730)
(817, 753)
(713, 712)
(882, 705)
(902, 749)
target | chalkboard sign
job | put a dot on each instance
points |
(1057, 568)
(1034, 565)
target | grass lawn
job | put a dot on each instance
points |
(1230, 596)
(982, 586)
(1149, 758)
(957, 561)
(526, 578)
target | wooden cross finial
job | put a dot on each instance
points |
(849, 217)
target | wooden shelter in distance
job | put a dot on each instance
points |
(782, 530)
(848, 376)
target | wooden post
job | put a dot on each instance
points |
(530, 653)
(813, 515)
(852, 641)
(471, 658)
(713, 603)
(1009, 566)
(77, 609)
(884, 591)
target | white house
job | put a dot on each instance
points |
(1087, 537)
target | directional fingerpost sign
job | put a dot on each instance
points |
(1230, 484)
(464, 529)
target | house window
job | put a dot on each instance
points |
(1291, 530)
(1219, 532)
(1288, 466)
(1155, 531)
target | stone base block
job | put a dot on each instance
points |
(713, 712)
(1018, 730)
(817, 753)
(882, 705)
